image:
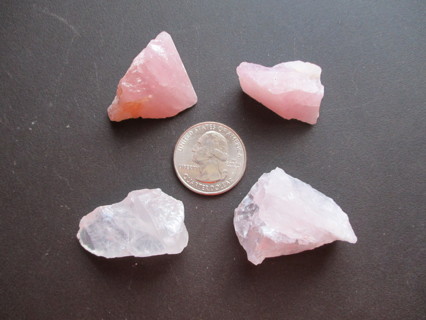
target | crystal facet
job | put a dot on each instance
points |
(156, 85)
(293, 89)
(282, 215)
(147, 222)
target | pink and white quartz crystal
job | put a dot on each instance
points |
(147, 222)
(293, 89)
(282, 215)
(156, 85)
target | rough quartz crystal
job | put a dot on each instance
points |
(147, 222)
(293, 89)
(282, 215)
(156, 85)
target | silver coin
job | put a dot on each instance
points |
(210, 158)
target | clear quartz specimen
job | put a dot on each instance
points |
(282, 215)
(147, 222)
(292, 89)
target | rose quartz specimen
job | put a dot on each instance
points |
(156, 85)
(282, 215)
(293, 89)
(147, 222)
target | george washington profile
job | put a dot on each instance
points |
(210, 153)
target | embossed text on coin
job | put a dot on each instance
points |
(209, 158)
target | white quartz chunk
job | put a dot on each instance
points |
(147, 222)
(282, 215)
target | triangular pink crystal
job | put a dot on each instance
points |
(156, 85)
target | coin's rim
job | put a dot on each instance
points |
(212, 193)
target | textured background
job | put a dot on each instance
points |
(61, 157)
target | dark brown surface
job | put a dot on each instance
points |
(61, 157)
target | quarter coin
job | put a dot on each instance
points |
(210, 158)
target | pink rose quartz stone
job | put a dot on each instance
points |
(282, 215)
(156, 85)
(293, 89)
